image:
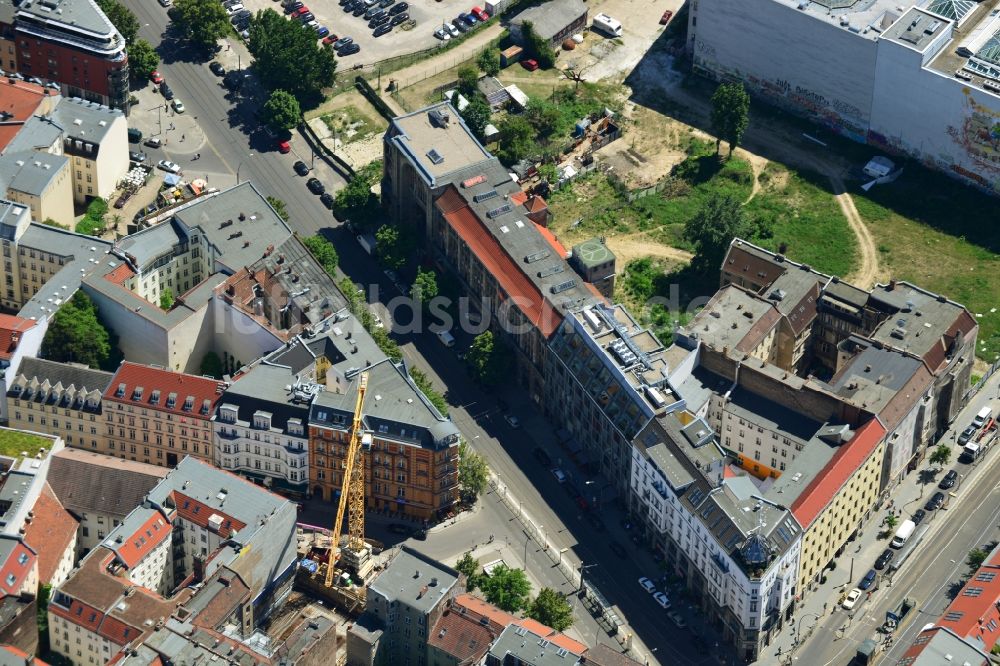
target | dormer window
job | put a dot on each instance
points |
(262, 420)
(137, 393)
(120, 393)
(228, 413)
(188, 403)
(205, 405)
(171, 400)
(154, 399)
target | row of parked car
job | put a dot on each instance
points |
(382, 15)
(463, 23)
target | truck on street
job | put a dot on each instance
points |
(970, 452)
(903, 533)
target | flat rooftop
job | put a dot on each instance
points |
(437, 140)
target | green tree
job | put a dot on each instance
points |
(280, 47)
(75, 334)
(468, 80)
(488, 358)
(941, 455)
(423, 383)
(211, 365)
(167, 299)
(469, 566)
(425, 286)
(279, 207)
(477, 115)
(548, 172)
(543, 117)
(730, 114)
(551, 609)
(42, 616)
(891, 520)
(489, 62)
(281, 110)
(517, 139)
(324, 252)
(122, 18)
(142, 59)
(472, 472)
(202, 22)
(394, 246)
(506, 588)
(975, 559)
(537, 47)
(49, 222)
(720, 219)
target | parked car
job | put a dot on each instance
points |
(468, 18)
(164, 3)
(156, 77)
(374, 12)
(382, 30)
(559, 474)
(868, 580)
(512, 421)
(136, 156)
(217, 68)
(399, 18)
(293, 7)
(442, 34)
(359, 9)
(884, 558)
(327, 200)
(935, 502)
(315, 186)
(123, 199)
(283, 146)
(300, 10)
(378, 20)
(530, 64)
(949, 480)
(851, 599)
(308, 19)
(235, 8)
(665, 19)
(329, 40)
(341, 43)
(134, 135)
(452, 30)
(647, 585)
(661, 599)
(322, 31)
(458, 25)
(178, 106)
(618, 549)
(153, 142)
(385, 4)
(300, 168)
(479, 14)
(398, 8)
(918, 516)
(165, 90)
(169, 166)
(967, 434)
(677, 619)
(350, 49)
(541, 456)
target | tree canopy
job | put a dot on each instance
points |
(517, 139)
(211, 365)
(537, 47)
(325, 253)
(730, 114)
(468, 80)
(506, 588)
(290, 58)
(122, 18)
(489, 62)
(425, 286)
(469, 566)
(719, 220)
(142, 59)
(279, 207)
(166, 299)
(281, 110)
(941, 455)
(488, 358)
(472, 471)
(75, 334)
(551, 609)
(202, 22)
(477, 115)
(976, 558)
(394, 245)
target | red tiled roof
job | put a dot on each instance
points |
(461, 636)
(536, 204)
(553, 241)
(49, 533)
(11, 330)
(121, 273)
(20, 100)
(974, 613)
(841, 467)
(519, 197)
(140, 543)
(198, 513)
(739, 261)
(503, 619)
(134, 375)
(508, 274)
(13, 566)
(80, 614)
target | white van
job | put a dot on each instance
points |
(446, 338)
(607, 25)
(903, 533)
(982, 417)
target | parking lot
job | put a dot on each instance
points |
(428, 16)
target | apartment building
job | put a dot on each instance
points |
(193, 527)
(19, 338)
(522, 646)
(18, 590)
(40, 181)
(61, 399)
(51, 531)
(99, 490)
(70, 44)
(157, 416)
(262, 428)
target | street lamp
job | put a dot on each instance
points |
(240, 167)
(584, 568)
(798, 626)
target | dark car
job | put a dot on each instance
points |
(374, 12)
(293, 7)
(305, 18)
(884, 558)
(967, 434)
(349, 7)
(385, 4)
(359, 9)
(315, 186)
(300, 168)
(420, 534)
(350, 49)
(123, 199)
(217, 68)
(935, 502)
(378, 20)
(399, 18)
(868, 580)
(949, 480)
(166, 91)
(242, 16)
(400, 528)
(918, 516)
(134, 135)
(382, 30)
(542, 457)
(342, 42)
(399, 7)
(460, 25)
(137, 157)
(618, 549)
(327, 200)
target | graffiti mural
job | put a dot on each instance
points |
(979, 136)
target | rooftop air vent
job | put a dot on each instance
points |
(434, 156)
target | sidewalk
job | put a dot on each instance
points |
(905, 499)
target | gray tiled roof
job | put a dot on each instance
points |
(84, 482)
(84, 15)
(83, 120)
(530, 649)
(263, 389)
(30, 172)
(551, 17)
(68, 374)
(407, 580)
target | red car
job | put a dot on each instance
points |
(330, 39)
(283, 146)
(480, 14)
(530, 65)
(665, 19)
(300, 11)
(156, 78)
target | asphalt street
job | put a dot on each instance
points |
(234, 142)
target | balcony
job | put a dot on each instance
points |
(113, 51)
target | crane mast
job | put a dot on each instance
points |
(352, 493)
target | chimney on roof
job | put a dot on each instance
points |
(892, 285)
(242, 216)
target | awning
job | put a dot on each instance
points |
(171, 179)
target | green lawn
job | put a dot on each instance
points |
(14, 442)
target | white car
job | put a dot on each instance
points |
(452, 30)
(851, 599)
(235, 8)
(167, 165)
(661, 599)
(559, 474)
(178, 105)
(376, 319)
(647, 585)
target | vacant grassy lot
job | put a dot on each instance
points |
(350, 124)
(940, 235)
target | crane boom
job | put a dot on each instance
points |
(352, 492)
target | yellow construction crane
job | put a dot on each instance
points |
(352, 493)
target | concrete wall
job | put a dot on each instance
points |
(190, 340)
(112, 159)
(140, 339)
(789, 57)
(239, 334)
